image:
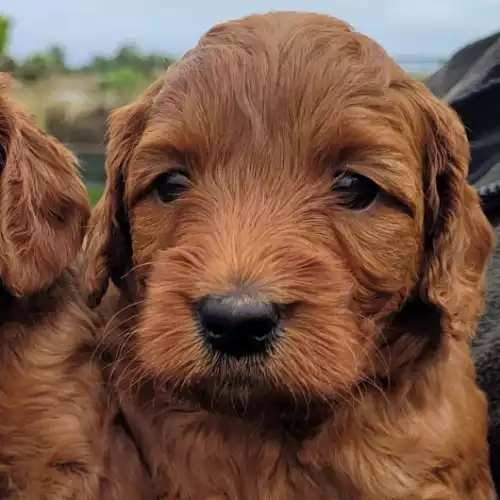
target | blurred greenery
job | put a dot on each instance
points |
(56, 92)
(95, 192)
(5, 25)
(73, 103)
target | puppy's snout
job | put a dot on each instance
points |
(238, 325)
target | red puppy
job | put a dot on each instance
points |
(299, 264)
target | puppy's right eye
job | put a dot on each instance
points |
(170, 186)
(356, 192)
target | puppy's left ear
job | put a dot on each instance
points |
(44, 206)
(108, 246)
(458, 238)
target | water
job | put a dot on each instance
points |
(424, 67)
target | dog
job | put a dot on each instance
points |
(58, 426)
(292, 266)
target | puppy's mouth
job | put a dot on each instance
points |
(247, 395)
(245, 387)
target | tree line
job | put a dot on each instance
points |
(126, 62)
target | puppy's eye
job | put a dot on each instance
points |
(170, 186)
(355, 191)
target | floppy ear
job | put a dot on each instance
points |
(459, 239)
(44, 206)
(107, 245)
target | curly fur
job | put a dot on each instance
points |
(56, 420)
(371, 391)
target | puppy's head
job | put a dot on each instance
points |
(292, 212)
(44, 206)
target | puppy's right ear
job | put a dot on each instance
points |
(108, 246)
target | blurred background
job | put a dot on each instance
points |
(75, 61)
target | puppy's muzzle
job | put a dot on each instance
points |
(237, 325)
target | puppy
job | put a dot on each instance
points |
(56, 423)
(297, 266)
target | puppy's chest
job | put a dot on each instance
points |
(198, 458)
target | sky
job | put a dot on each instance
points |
(85, 28)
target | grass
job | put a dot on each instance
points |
(76, 93)
(95, 192)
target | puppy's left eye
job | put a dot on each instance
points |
(356, 192)
(170, 185)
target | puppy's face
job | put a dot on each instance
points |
(44, 207)
(284, 205)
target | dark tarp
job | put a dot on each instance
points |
(470, 82)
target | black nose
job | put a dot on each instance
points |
(237, 325)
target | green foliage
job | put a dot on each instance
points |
(129, 56)
(56, 58)
(123, 75)
(33, 68)
(95, 192)
(8, 64)
(5, 27)
(41, 65)
(125, 71)
(125, 81)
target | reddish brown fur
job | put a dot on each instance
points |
(371, 391)
(56, 421)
